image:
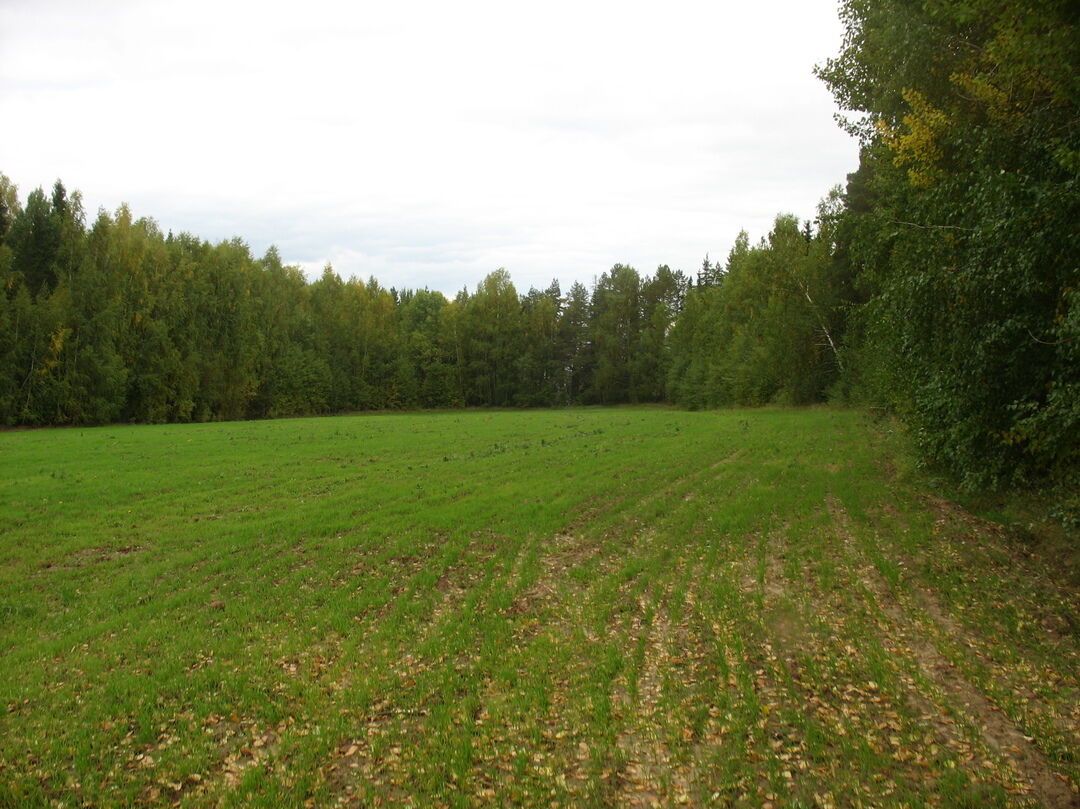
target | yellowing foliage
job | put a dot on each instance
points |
(999, 106)
(919, 148)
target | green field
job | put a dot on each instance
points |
(628, 607)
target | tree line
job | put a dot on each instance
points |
(942, 282)
(120, 322)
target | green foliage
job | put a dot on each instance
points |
(539, 366)
(616, 310)
(576, 344)
(962, 224)
(492, 341)
(120, 322)
(34, 240)
(765, 330)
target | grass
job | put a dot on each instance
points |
(628, 607)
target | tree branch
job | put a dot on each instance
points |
(929, 227)
(1045, 343)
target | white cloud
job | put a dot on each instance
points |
(427, 142)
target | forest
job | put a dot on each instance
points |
(941, 284)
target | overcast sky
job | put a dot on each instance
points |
(428, 143)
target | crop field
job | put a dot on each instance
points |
(622, 607)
